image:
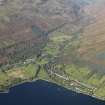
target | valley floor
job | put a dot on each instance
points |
(27, 73)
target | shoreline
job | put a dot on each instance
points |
(49, 81)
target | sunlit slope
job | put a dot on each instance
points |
(92, 47)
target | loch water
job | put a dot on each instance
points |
(45, 93)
